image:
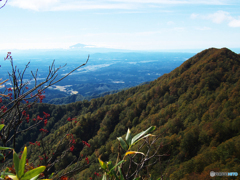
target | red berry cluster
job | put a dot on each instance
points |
(40, 158)
(4, 108)
(96, 174)
(45, 122)
(10, 96)
(40, 96)
(84, 142)
(64, 178)
(27, 118)
(43, 130)
(37, 143)
(45, 156)
(39, 118)
(72, 148)
(71, 119)
(24, 113)
(72, 141)
(46, 115)
(87, 160)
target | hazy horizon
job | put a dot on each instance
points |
(92, 50)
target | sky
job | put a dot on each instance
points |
(120, 24)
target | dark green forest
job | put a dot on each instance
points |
(196, 107)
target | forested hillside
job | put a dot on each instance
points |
(196, 107)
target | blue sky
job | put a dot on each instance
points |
(122, 24)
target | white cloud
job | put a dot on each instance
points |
(218, 18)
(86, 5)
(215, 2)
(61, 5)
(234, 23)
(35, 5)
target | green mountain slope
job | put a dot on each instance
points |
(197, 105)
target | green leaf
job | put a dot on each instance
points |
(109, 164)
(22, 162)
(51, 175)
(128, 137)
(16, 163)
(1, 126)
(121, 175)
(6, 173)
(102, 164)
(32, 173)
(142, 138)
(7, 169)
(117, 165)
(141, 134)
(112, 172)
(5, 148)
(123, 143)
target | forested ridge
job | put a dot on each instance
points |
(196, 107)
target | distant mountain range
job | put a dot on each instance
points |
(95, 49)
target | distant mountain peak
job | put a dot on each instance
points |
(94, 49)
(81, 46)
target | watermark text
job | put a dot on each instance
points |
(212, 174)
